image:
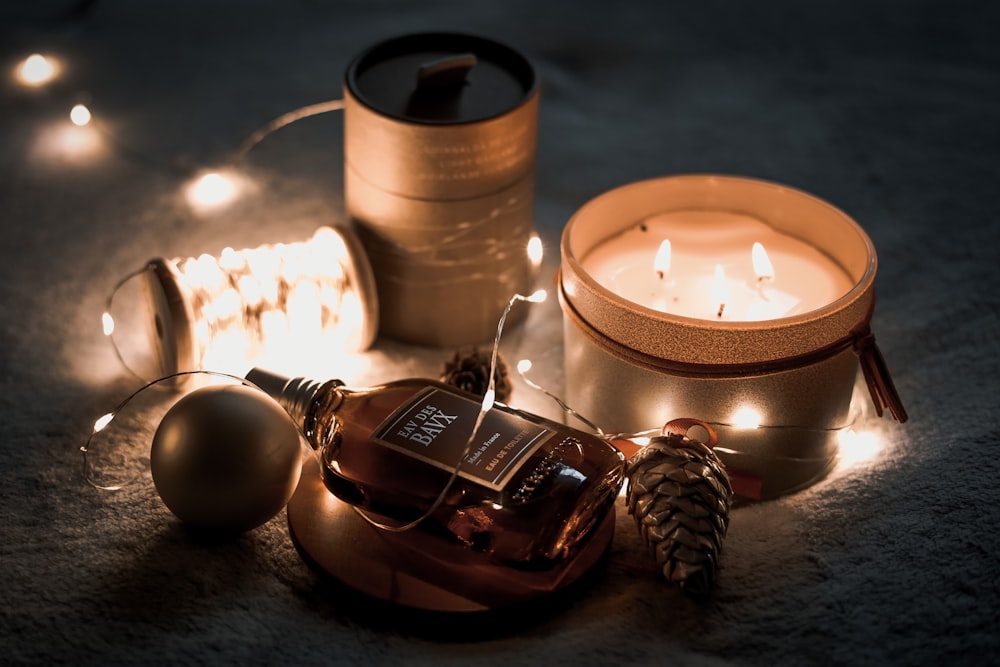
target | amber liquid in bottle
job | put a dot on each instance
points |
(529, 490)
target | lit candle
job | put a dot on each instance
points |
(716, 265)
(753, 317)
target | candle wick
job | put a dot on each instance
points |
(722, 307)
(761, 281)
(659, 274)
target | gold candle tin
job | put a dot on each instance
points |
(630, 368)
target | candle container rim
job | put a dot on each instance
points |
(662, 335)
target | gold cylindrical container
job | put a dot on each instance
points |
(631, 368)
(440, 131)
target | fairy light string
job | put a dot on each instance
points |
(214, 187)
(108, 324)
(272, 299)
(38, 70)
(486, 405)
(464, 245)
(286, 119)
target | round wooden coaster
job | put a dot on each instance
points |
(413, 568)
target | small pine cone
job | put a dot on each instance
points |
(469, 370)
(680, 495)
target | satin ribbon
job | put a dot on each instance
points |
(876, 372)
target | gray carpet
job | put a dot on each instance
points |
(889, 109)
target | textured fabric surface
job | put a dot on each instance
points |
(888, 109)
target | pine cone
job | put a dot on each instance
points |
(680, 495)
(469, 370)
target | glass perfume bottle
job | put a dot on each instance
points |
(528, 492)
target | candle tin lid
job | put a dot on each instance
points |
(441, 78)
(664, 336)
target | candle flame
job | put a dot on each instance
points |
(108, 323)
(661, 264)
(761, 262)
(720, 289)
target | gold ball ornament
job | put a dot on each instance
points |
(225, 458)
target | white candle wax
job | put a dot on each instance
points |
(707, 247)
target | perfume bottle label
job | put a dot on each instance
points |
(435, 427)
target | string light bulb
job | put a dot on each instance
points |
(103, 421)
(538, 296)
(857, 447)
(282, 305)
(80, 115)
(535, 250)
(746, 417)
(107, 323)
(214, 189)
(37, 70)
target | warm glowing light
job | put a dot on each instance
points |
(857, 447)
(720, 289)
(103, 421)
(642, 440)
(278, 306)
(661, 264)
(761, 262)
(80, 115)
(108, 323)
(68, 143)
(746, 418)
(489, 399)
(523, 366)
(538, 296)
(213, 190)
(36, 70)
(535, 250)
